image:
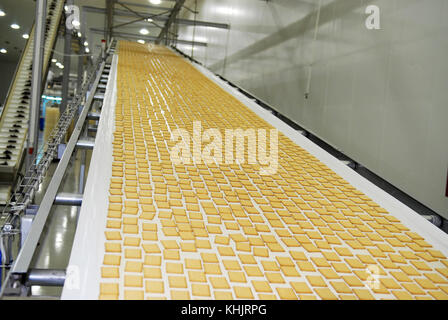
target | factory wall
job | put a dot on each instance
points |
(7, 69)
(380, 96)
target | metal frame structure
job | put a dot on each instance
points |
(20, 277)
(36, 88)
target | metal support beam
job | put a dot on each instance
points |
(148, 38)
(68, 199)
(123, 13)
(43, 277)
(170, 20)
(67, 61)
(86, 144)
(80, 67)
(36, 88)
(109, 19)
(146, 6)
(25, 256)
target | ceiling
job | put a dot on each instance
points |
(127, 21)
(20, 12)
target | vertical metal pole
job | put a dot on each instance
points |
(80, 66)
(67, 60)
(109, 19)
(36, 86)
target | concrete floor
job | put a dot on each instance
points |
(57, 240)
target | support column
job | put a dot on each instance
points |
(80, 66)
(36, 87)
(67, 60)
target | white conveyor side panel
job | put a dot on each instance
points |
(83, 272)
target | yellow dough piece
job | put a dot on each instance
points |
(133, 281)
(112, 260)
(109, 289)
(243, 292)
(110, 272)
(134, 295)
(200, 290)
(177, 282)
(154, 286)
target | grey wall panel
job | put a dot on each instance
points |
(380, 96)
(7, 72)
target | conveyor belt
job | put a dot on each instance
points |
(14, 119)
(226, 231)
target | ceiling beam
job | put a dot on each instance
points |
(147, 6)
(148, 38)
(123, 13)
(109, 20)
(170, 20)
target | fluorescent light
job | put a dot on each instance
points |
(58, 64)
(54, 60)
(3, 50)
(149, 20)
(86, 43)
(155, 1)
(144, 31)
(25, 36)
(15, 26)
(141, 41)
(2, 13)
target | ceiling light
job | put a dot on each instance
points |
(144, 31)
(76, 23)
(79, 34)
(3, 50)
(86, 43)
(155, 1)
(25, 36)
(15, 26)
(141, 41)
(87, 50)
(54, 60)
(2, 13)
(149, 20)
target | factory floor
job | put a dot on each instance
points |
(57, 240)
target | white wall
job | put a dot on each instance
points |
(380, 96)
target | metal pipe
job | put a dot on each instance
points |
(25, 256)
(84, 144)
(38, 59)
(67, 62)
(68, 199)
(435, 220)
(94, 115)
(43, 277)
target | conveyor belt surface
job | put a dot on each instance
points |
(227, 231)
